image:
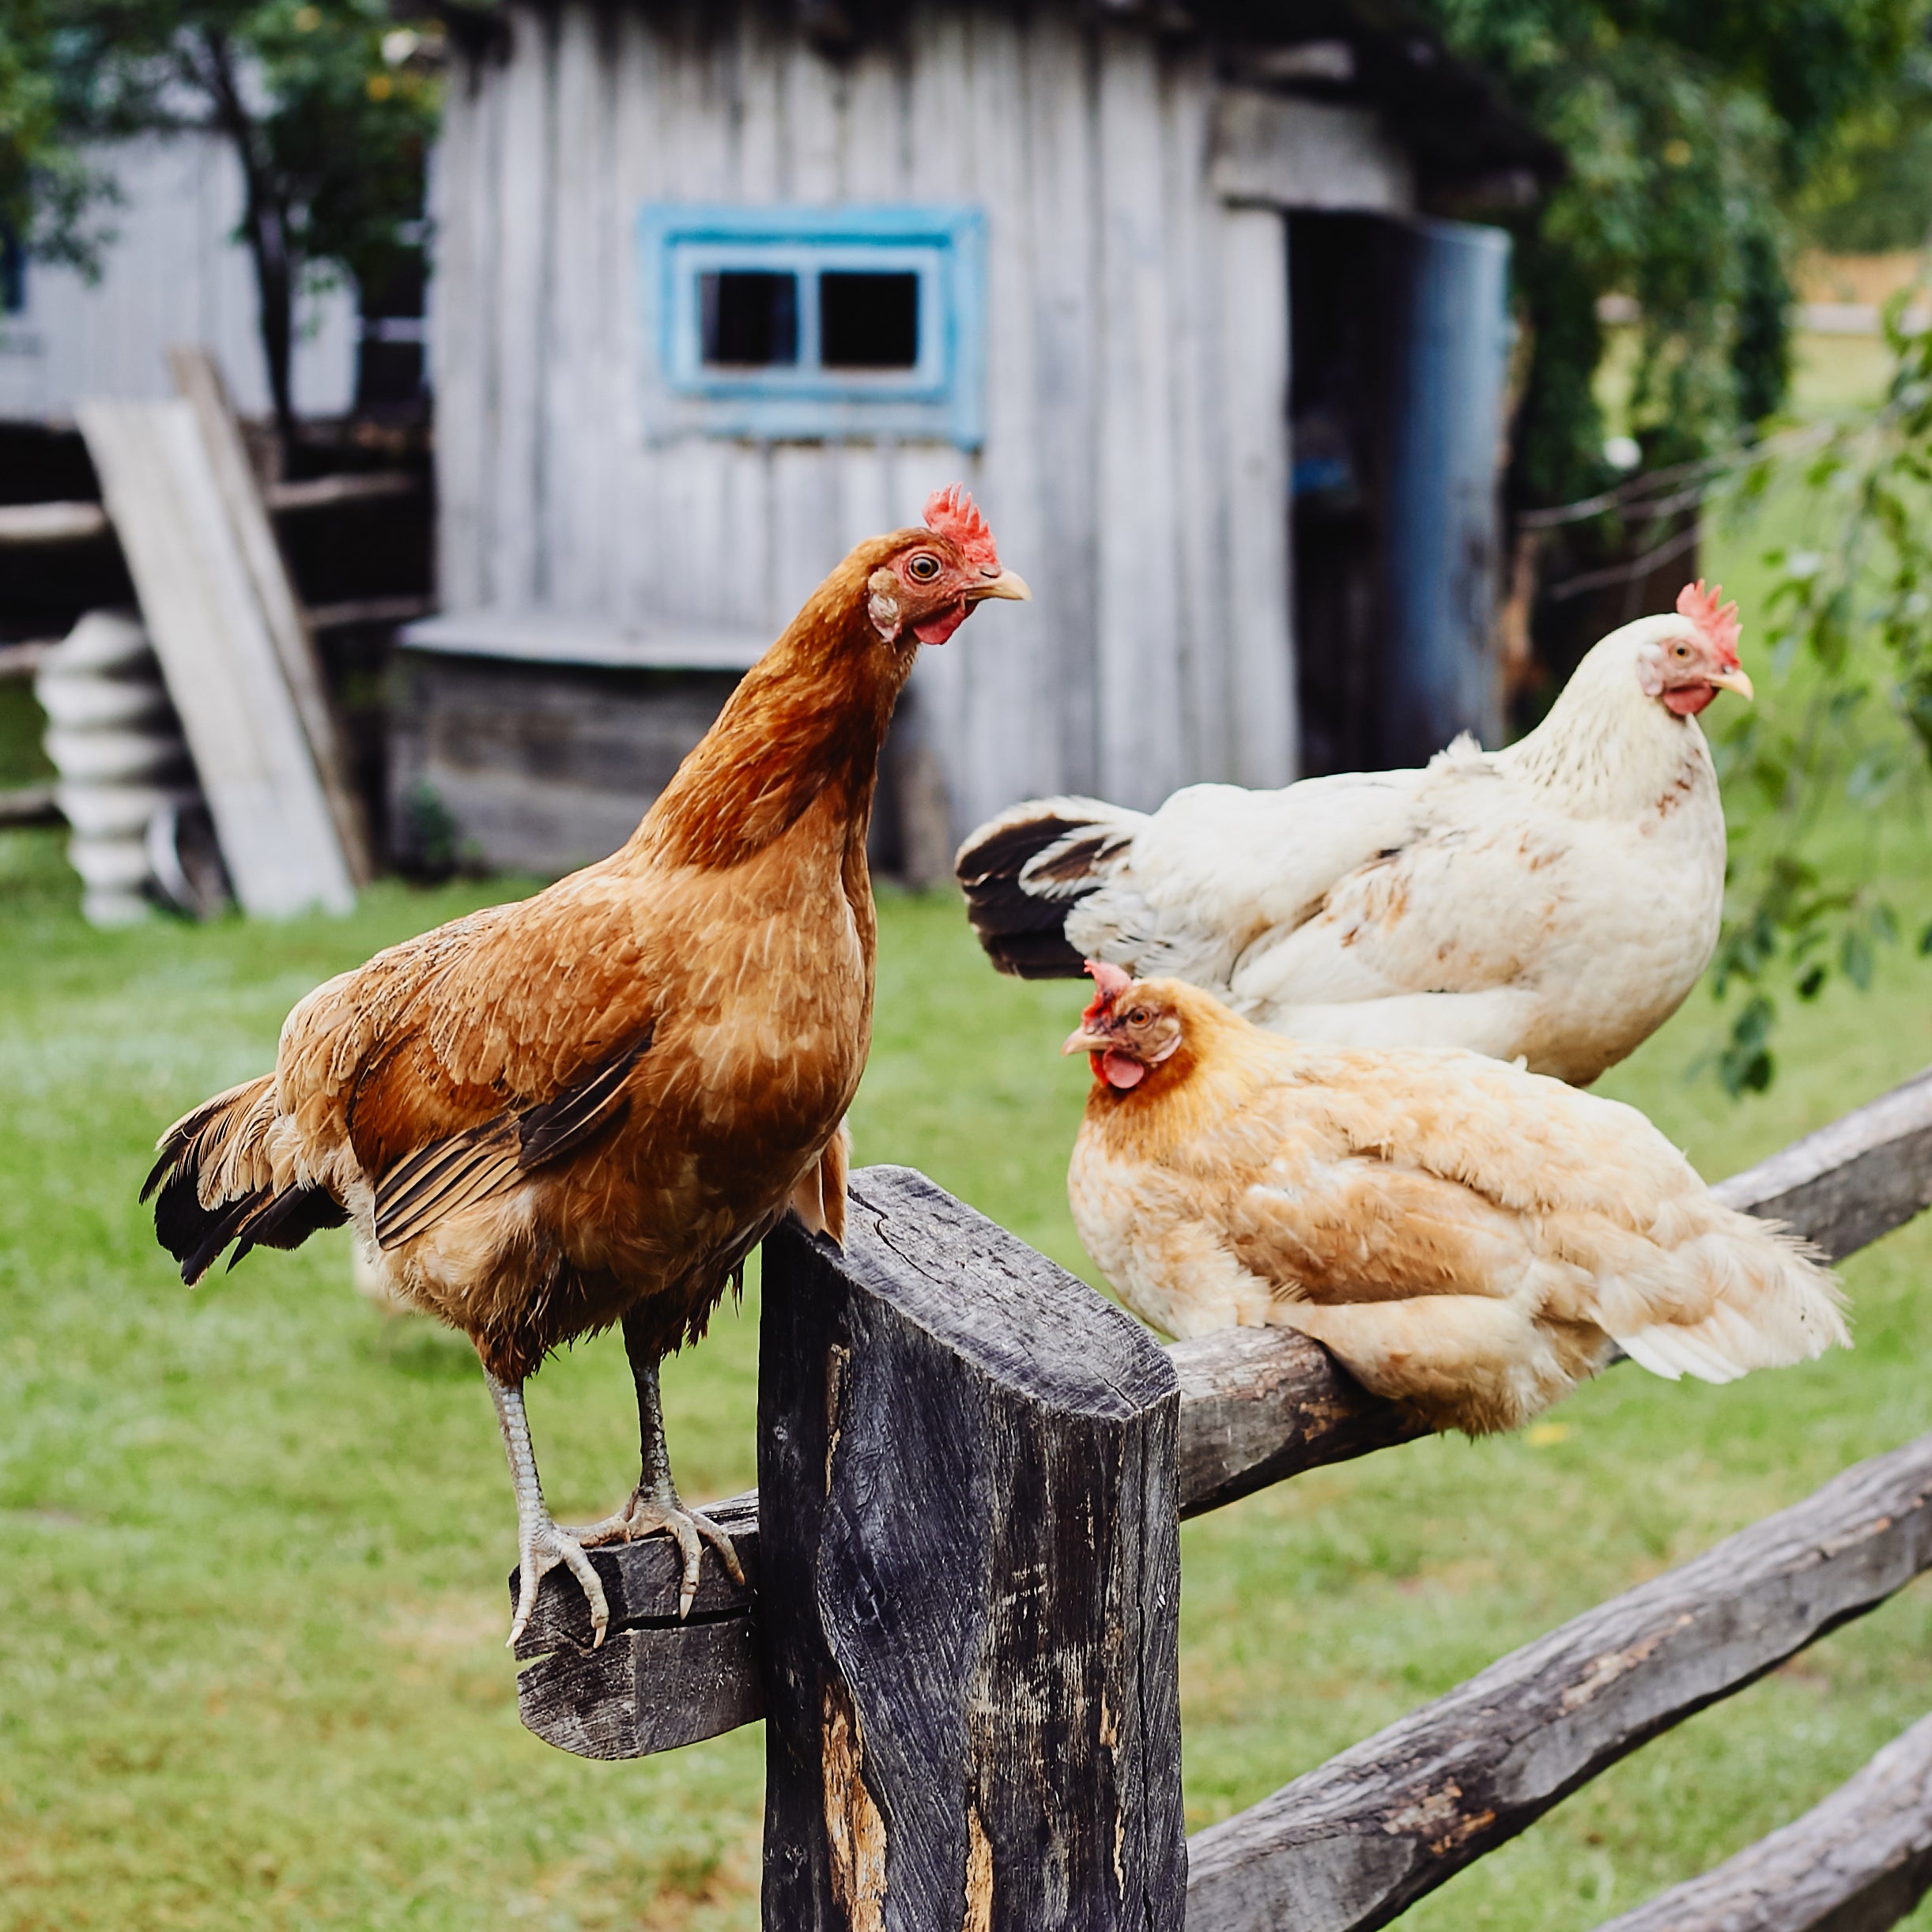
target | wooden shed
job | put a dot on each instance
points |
(720, 289)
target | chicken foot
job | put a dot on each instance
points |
(654, 1505)
(540, 1545)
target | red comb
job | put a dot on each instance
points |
(951, 513)
(1719, 624)
(1110, 982)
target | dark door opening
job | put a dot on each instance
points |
(1338, 392)
(1399, 340)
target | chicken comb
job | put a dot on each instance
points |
(1110, 982)
(1718, 623)
(951, 513)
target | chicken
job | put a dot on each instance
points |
(588, 1107)
(1466, 1238)
(1556, 901)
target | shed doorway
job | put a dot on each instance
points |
(1399, 340)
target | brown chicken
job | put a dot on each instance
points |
(588, 1107)
(1464, 1236)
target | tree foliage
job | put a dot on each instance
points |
(1854, 615)
(327, 104)
(1686, 124)
(1873, 192)
(46, 187)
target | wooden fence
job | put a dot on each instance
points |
(960, 1615)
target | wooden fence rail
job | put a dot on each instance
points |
(1364, 1836)
(1035, 1633)
(1858, 1862)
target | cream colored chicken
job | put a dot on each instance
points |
(1556, 901)
(1464, 1236)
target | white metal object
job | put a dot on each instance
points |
(113, 738)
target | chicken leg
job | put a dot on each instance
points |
(541, 1546)
(654, 1505)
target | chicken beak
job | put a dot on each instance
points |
(1080, 1040)
(1734, 680)
(1008, 584)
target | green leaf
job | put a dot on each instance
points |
(1854, 959)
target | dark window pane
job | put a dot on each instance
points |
(13, 271)
(868, 321)
(750, 316)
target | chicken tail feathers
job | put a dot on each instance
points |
(1024, 871)
(818, 1199)
(1774, 1306)
(212, 1185)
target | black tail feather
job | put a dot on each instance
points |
(1023, 925)
(195, 1235)
(289, 1220)
(194, 1232)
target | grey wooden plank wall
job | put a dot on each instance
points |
(1134, 464)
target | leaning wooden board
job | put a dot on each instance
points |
(198, 382)
(272, 814)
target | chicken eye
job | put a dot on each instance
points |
(1139, 1016)
(1680, 651)
(924, 567)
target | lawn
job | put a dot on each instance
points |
(252, 1605)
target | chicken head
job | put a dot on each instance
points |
(1693, 655)
(1127, 1029)
(929, 588)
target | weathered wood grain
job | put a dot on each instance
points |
(1858, 1862)
(1135, 344)
(1260, 1405)
(1356, 1841)
(1253, 247)
(541, 766)
(655, 1683)
(200, 385)
(280, 839)
(970, 1579)
(1140, 702)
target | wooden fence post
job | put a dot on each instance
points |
(969, 1582)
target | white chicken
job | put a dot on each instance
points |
(1556, 901)
(1464, 1237)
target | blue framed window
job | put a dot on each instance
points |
(791, 323)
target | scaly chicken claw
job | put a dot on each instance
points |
(542, 1546)
(650, 1515)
